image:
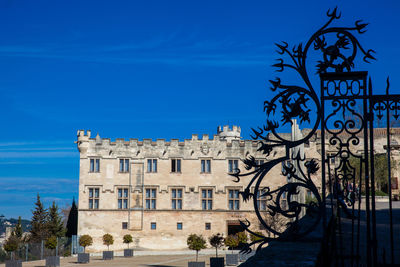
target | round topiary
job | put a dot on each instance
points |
(216, 241)
(85, 241)
(108, 240)
(196, 242)
(51, 242)
(128, 239)
(231, 241)
(242, 237)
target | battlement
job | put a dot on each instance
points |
(229, 134)
(81, 133)
(226, 139)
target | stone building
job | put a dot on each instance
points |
(162, 191)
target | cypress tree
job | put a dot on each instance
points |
(39, 229)
(55, 224)
(72, 223)
(18, 228)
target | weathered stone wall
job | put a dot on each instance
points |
(220, 149)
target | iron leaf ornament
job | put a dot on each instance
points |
(295, 102)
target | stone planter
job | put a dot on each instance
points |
(53, 261)
(232, 259)
(14, 263)
(246, 256)
(83, 257)
(108, 255)
(196, 264)
(128, 252)
(217, 262)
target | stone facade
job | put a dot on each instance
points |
(162, 191)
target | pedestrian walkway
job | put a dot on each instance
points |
(153, 258)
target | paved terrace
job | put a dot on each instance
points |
(153, 258)
(305, 252)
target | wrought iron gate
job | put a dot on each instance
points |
(342, 117)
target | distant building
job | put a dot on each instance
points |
(162, 191)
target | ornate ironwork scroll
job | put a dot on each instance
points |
(338, 48)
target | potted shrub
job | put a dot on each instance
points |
(52, 261)
(196, 242)
(127, 240)
(232, 241)
(108, 240)
(11, 245)
(84, 241)
(216, 241)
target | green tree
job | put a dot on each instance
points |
(108, 240)
(216, 241)
(72, 222)
(380, 170)
(11, 244)
(55, 225)
(18, 229)
(85, 241)
(255, 237)
(242, 237)
(127, 239)
(196, 242)
(51, 242)
(39, 229)
(231, 241)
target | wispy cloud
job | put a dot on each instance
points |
(24, 143)
(37, 184)
(168, 50)
(36, 149)
(37, 154)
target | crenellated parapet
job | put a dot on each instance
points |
(83, 141)
(225, 144)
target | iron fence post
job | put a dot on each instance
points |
(41, 250)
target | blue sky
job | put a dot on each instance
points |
(146, 69)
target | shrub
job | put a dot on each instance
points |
(128, 239)
(85, 241)
(196, 242)
(108, 240)
(11, 244)
(255, 237)
(216, 241)
(51, 242)
(231, 241)
(242, 237)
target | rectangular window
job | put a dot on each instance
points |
(123, 198)
(176, 196)
(152, 165)
(205, 166)
(206, 199)
(208, 226)
(123, 165)
(94, 198)
(233, 165)
(124, 225)
(179, 226)
(153, 226)
(233, 199)
(94, 165)
(261, 200)
(283, 201)
(175, 165)
(151, 198)
(259, 162)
